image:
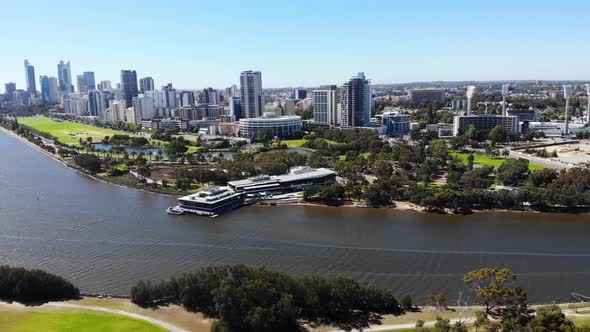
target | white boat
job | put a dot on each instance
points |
(174, 210)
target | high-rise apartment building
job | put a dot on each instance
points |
(143, 107)
(251, 94)
(64, 77)
(129, 86)
(96, 103)
(169, 96)
(325, 109)
(146, 84)
(30, 78)
(355, 100)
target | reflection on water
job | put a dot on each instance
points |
(105, 237)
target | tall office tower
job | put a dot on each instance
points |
(187, 98)
(146, 84)
(588, 107)
(105, 86)
(355, 100)
(325, 109)
(44, 82)
(81, 83)
(9, 88)
(251, 94)
(89, 80)
(64, 76)
(96, 103)
(299, 94)
(49, 90)
(30, 78)
(143, 107)
(129, 86)
(169, 96)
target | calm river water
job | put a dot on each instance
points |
(104, 237)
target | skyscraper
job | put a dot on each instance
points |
(355, 100)
(30, 78)
(146, 84)
(143, 107)
(64, 76)
(251, 94)
(187, 98)
(81, 83)
(89, 80)
(10, 87)
(96, 103)
(129, 85)
(49, 90)
(325, 105)
(169, 96)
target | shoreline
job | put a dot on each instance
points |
(398, 205)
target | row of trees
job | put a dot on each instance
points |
(26, 286)
(257, 299)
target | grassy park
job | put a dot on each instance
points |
(70, 320)
(480, 159)
(67, 132)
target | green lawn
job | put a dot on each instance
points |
(298, 143)
(79, 320)
(489, 161)
(68, 132)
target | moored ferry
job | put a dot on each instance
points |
(211, 201)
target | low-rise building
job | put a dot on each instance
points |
(297, 179)
(485, 122)
(281, 126)
(396, 124)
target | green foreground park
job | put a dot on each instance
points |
(480, 159)
(70, 320)
(67, 132)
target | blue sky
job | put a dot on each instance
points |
(196, 44)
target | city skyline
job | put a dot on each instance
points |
(301, 44)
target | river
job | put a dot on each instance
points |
(104, 237)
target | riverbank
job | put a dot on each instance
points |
(130, 181)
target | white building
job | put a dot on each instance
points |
(281, 126)
(325, 106)
(115, 112)
(143, 107)
(251, 94)
(158, 97)
(76, 105)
